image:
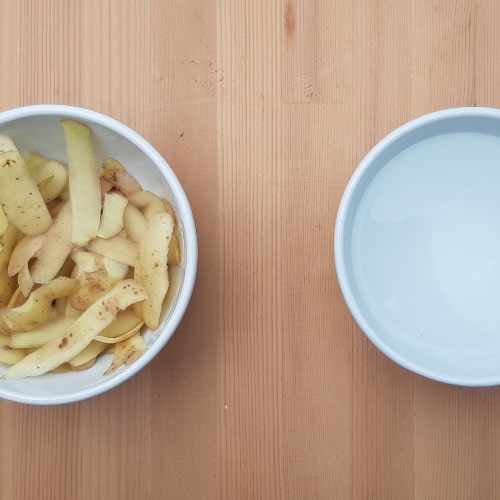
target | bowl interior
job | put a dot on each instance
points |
(418, 246)
(44, 134)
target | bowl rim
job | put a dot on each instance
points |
(189, 228)
(341, 235)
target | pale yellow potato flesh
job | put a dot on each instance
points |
(170, 210)
(151, 269)
(148, 202)
(89, 262)
(174, 252)
(7, 287)
(123, 327)
(33, 161)
(126, 352)
(25, 280)
(86, 262)
(121, 338)
(17, 299)
(155, 207)
(58, 175)
(112, 165)
(20, 198)
(23, 252)
(112, 215)
(38, 306)
(4, 222)
(85, 366)
(86, 327)
(51, 176)
(117, 248)
(46, 189)
(8, 355)
(91, 286)
(84, 185)
(87, 355)
(50, 330)
(115, 269)
(124, 322)
(134, 222)
(114, 172)
(71, 312)
(55, 248)
(141, 199)
(9, 241)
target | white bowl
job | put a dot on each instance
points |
(417, 246)
(38, 128)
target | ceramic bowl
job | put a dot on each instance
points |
(417, 246)
(38, 128)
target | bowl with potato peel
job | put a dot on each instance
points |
(98, 253)
(417, 246)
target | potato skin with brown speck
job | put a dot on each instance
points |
(151, 269)
(20, 197)
(85, 328)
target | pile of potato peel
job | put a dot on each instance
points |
(85, 254)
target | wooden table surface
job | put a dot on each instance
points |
(268, 390)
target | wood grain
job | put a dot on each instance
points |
(268, 390)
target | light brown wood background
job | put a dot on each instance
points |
(264, 108)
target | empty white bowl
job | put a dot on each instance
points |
(417, 246)
(38, 128)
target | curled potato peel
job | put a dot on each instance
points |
(85, 328)
(20, 198)
(84, 186)
(38, 306)
(151, 269)
(55, 282)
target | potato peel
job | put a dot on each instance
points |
(80, 334)
(151, 269)
(127, 352)
(23, 252)
(50, 330)
(55, 248)
(116, 248)
(20, 197)
(84, 185)
(38, 306)
(112, 215)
